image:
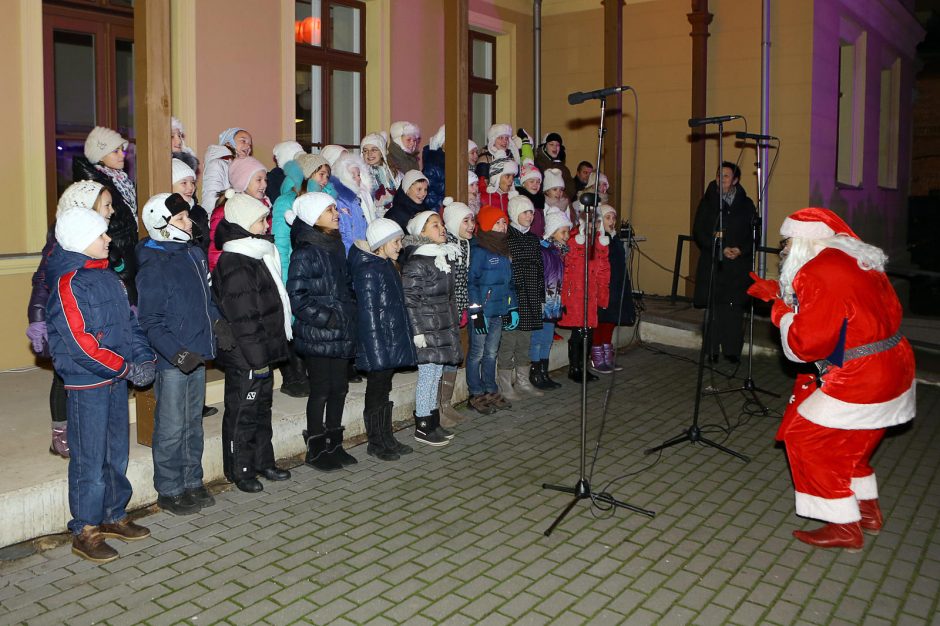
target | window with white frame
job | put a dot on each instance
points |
(851, 110)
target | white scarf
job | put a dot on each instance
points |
(441, 253)
(267, 252)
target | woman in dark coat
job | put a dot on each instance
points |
(324, 308)
(729, 295)
(385, 337)
(619, 310)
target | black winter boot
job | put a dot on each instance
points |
(436, 424)
(317, 457)
(334, 446)
(575, 346)
(391, 442)
(543, 365)
(378, 446)
(426, 433)
(537, 377)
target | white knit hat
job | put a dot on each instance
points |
(529, 172)
(309, 207)
(603, 210)
(181, 171)
(416, 224)
(553, 178)
(555, 219)
(156, 216)
(332, 153)
(244, 210)
(472, 145)
(472, 178)
(381, 231)
(375, 139)
(411, 177)
(592, 179)
(454, 214)
(80, 195)
(517, 206)
(76, 229)
(101, 141)
(285, 151)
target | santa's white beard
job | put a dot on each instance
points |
(802, 251)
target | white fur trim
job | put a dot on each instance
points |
(785, 323)
(805, 230)
(830, 412)
(865, 487)
(835, 510)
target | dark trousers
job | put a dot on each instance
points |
(293, 371)
(727, 321)
(378, 388)
(328, 386)
(57, 400)
(246, 424)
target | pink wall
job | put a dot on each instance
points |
(418, 64)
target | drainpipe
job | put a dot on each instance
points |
(765, 130)
(537, 66)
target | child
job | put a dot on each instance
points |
(96, 347)
(500, 188)
(178, 316)
(284, 153)
(354, 203)
(385, 337)
(246, 175)
(473, 154)
(528, 277)
(619, 310)
(553, 188)
(554, 249)
(234, 144)
(249, 293)
(492, 297)
(409, 199)
(460, 224)
(551, 155)
(432, 164)
(184, 183)
(384, 182)
(428, 282)
(473, 192)
(325, 324)
(572, 299)
(178, 148)
(530, 185)
(403, 151)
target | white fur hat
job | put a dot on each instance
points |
(332, 153)
(80, 195)
(181, 170)
(593, 178)
(309, 207)
(416, 224)
(555, 219)
(498, 130)
(400, 129)
(454, 214)
(553, 178)
(411, 177)
(76, 229)
(285, 151)
(603, 210)
(517, 206)
(472, 145)
(381, 231)
(101, 141)
(375, 139)
(244, 210)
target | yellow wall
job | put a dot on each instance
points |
(13, 235)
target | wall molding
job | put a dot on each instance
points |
(183, 67)
(19, 264)
(32, 97)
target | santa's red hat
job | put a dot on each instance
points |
(815, 223)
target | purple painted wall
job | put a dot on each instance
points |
(877, 214)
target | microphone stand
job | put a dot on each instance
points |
(694, 433)
(582, 488)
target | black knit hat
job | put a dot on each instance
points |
(553, 137)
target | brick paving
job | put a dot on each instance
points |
(455, 535)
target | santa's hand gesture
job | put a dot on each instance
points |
(763, 289)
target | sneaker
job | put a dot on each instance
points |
(183, 504)
(425, 434)
(481, 404)
(60, 442)
(90, 545)
(201, 496)
(125, 530)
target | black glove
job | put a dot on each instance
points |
(141, 374)
(478, 320)
(223, 335)
(187, 361)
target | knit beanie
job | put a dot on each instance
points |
(517, 206)
(553, 179)
(157, 213)
(592, 179)
(285, 151)
(552, 137)
(381, 231)
(377, 140)
(472, 145)
(100, 142)
(454, 214)
(416, 224)
(227, 136)
(309, 207)
(181, 171)
(472, 178)
(411, 177)
(488, 216)
(529, 172)
(80, 195)
(310, 163)
(332, 153)
(555, 219)
(244, 210)
(76, 229)
(603, 210)
(498, 168)
(241, 171)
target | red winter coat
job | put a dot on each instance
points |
(572, 293)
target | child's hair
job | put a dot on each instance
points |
(332, 232)
(329, 170)
(97, 203)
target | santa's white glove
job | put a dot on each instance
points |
(420, 341)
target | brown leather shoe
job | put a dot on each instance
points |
(90, 545)
(848, 536)
(498, 401)
(481, 404)
(125, 530)
(872, 519)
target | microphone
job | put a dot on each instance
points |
(701, 121)
(580, 96)
(756, 137)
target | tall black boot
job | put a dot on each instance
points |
(317, 456)
(537, 376)
(378, 446)
(543, 364)
(294, 382)
(334, 446)
(575, 347)
(391, 442)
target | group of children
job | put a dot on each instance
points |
(330, 259)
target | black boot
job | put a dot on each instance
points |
(391, 442)
(575, 347)
(377, 447)
(426, 433)
(537, 377)
(543, 364)
(294, 382)
(436, 425)
(317, 457)
(334, 446)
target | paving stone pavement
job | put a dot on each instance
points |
(455, 535)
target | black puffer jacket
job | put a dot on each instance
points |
(528, 276)
(122, 229)
(619, 311)
(403, 209)
(385, 336)
(248, 299)
(321, 295)
(429, 298)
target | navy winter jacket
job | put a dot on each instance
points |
(174, 303)
(321, 295)
(403, 209)
(491, 274)
(93, 335)
(385, 335)
(433, 163)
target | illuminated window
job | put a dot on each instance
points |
(482, 87)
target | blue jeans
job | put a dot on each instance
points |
(98, 445)
(541, 346)
(177, 431)
(481, 362)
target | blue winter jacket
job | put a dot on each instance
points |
(385, 335)
(352, 221)
(93, 335)
(174, 303)
(491, 274)
(293, 179)
(433, 163)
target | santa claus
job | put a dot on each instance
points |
(835, 307)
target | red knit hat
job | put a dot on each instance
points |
(488, 216)
(815, 223)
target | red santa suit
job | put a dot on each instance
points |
(831, 431)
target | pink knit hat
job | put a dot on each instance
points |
(241, 171)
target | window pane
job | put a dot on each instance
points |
(345, 22)
(65, 151)
(74, 55)
(482, 115)
(346, 106)
(482, 59)
(124, 74)
(307, 22)
(309, 107)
